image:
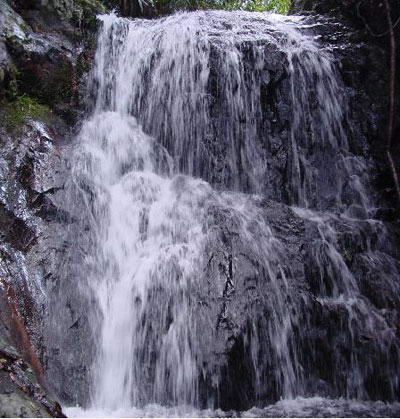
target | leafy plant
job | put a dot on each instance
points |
(278, 6)
(160, 7)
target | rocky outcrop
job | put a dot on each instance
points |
(368, 34)
(364, 11)
(28, 220)
(44, 52)
(286, 301)
(21, 386)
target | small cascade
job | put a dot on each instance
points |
(231, 251)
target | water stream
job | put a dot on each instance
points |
(223, 203)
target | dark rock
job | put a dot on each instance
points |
(45, 53)
(368, 36)
(40, 44)
(30, 219)
(21, 387)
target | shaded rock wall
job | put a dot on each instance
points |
(21, 386)
(28, 172)
(368, 70)
(45, 47)
(43, 51)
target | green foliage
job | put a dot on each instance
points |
(162, 7)
(277, 6)
(85, 11)
(22, 109)
(95, 5)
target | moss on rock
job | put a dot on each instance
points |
(23, 108)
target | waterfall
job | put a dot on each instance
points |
(229, 223)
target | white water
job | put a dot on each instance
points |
(299, 408)
(152, 228)
(153, 220)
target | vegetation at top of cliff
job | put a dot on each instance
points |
(85, 12)
(92, 4)
(18, 111)
(278, 6)
(150, 8)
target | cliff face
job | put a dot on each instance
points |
(44, 51)
(341, 272)
(360, 12)
(368, 25)
(46, 48)
(369, 34)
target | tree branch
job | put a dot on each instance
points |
(392, 88)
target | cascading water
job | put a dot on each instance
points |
(221, 198)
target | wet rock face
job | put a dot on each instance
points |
(269, 126)
(371, 10)
(45, 51)
(362, 66)
(35, 63)
(28, 173)
(253, 316)
(70, 17)
(241, 352)
(286, 301)
(46, 72)
(40, 64)
(21, 395)
(40, 80)
(33, 223)
(328, 338)
(360, 63)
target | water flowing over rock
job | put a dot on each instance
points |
(224, 233)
